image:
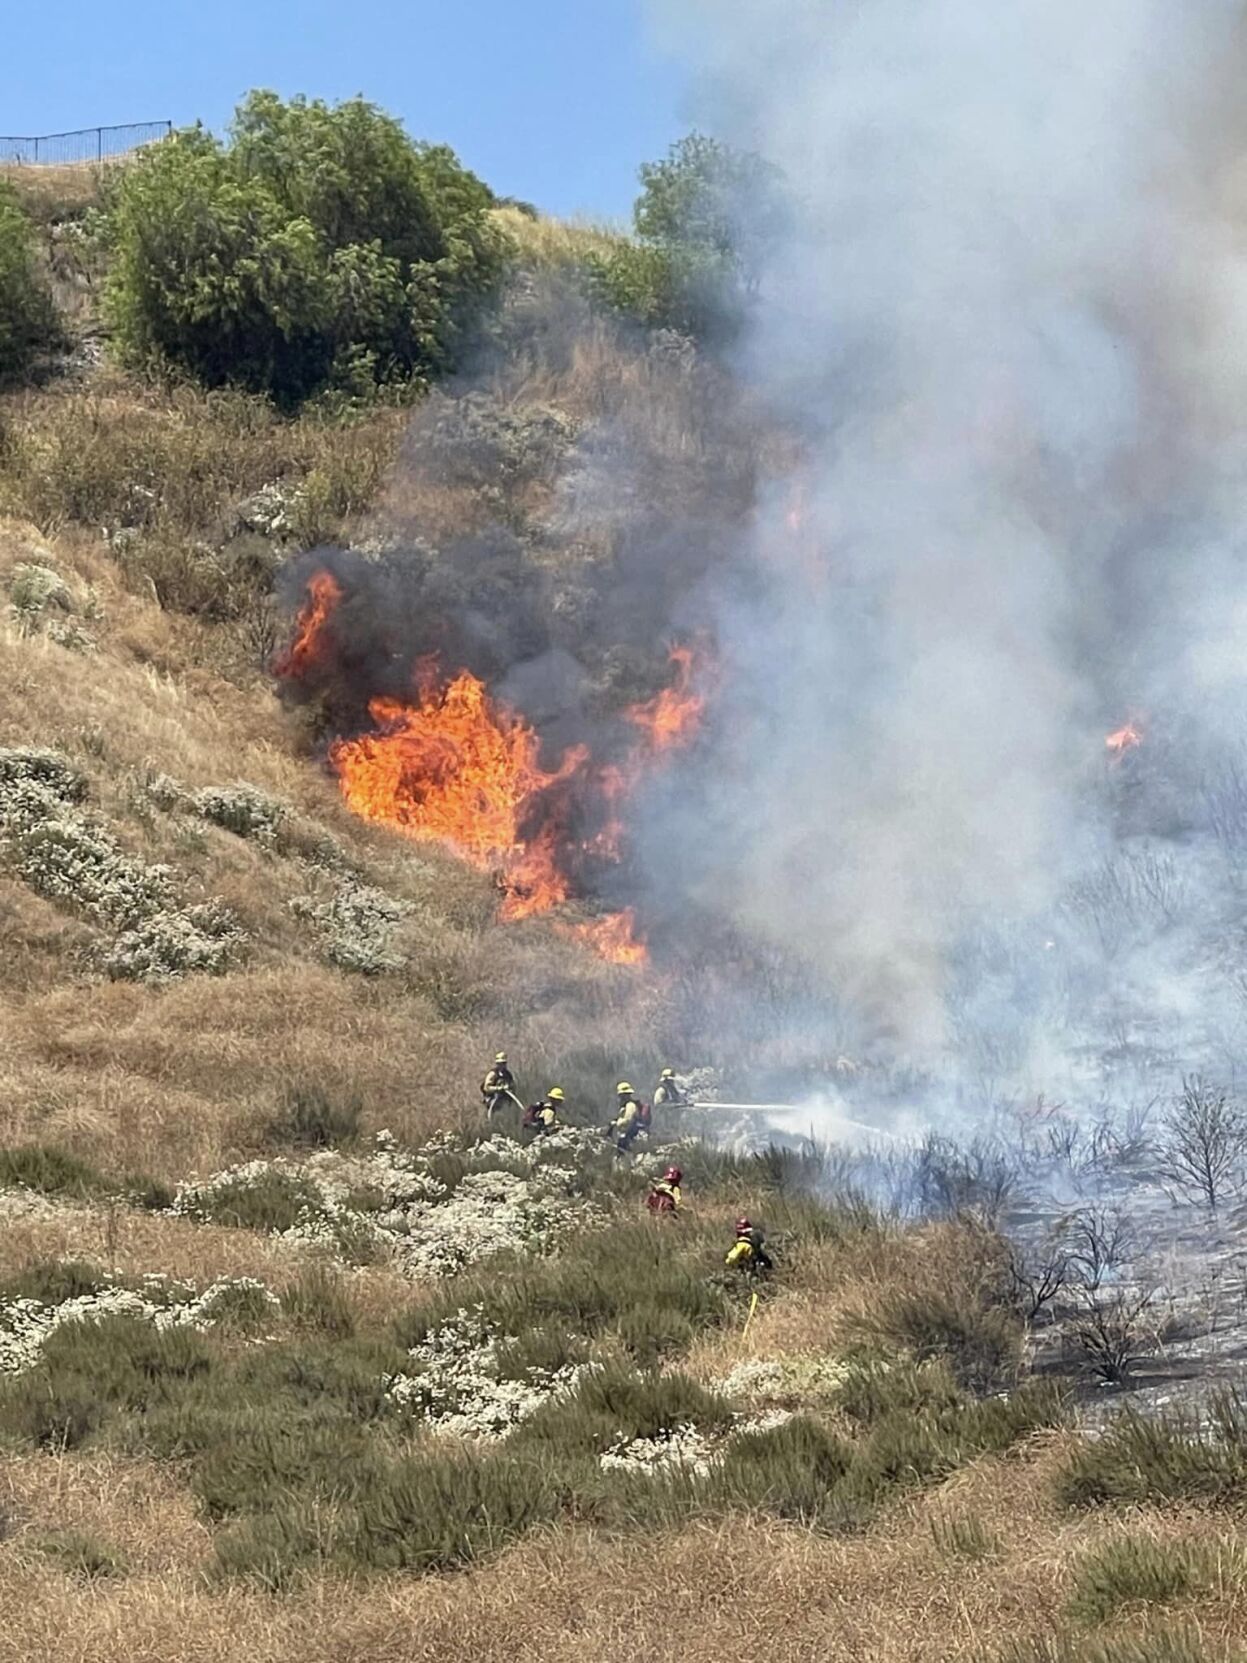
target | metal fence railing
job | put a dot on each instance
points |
(87, 144)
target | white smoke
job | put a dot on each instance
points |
(1010, 327)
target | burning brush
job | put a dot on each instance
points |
(452, 765)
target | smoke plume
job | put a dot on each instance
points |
(1009, 324)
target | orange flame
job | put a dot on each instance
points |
(612, 937)
(454, 769)
(323, 594)
(672, 717)
(1125, 739)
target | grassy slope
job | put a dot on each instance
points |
(188, 1078)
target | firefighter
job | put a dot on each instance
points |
(498, 1085)
(748, 1252)
(670, 1094)
(664, 1195)
(631, 1118)
(540, 1118)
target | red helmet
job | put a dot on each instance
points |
(672, 1175)
(743, 1226)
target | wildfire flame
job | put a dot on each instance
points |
(1125, 739)
(458, 770)
(452, 766)
(671, 718)
(613, 937)
(323, 594)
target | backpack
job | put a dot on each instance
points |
(660, 1200)
(642, 1116)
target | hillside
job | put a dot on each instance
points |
(298, 1357)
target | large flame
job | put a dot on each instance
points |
(452, 766)
(458, 770)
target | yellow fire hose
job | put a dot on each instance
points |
(753, 1305)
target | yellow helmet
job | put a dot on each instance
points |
(501, 1057)
(555, 1094)
(668, 1073)
(623, 1089)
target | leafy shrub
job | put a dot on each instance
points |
(274, 1550)
(242, 809)
(50, 1170)
(1136, 1569)
(436, 1512)
(316, 1301)
(81, 1554)
(88, 1370)
(608, 1405)
(790, 1471)
(981, 1342)
(1162, 1459)
(703, 220)
(29, 326)
(259, 1461)
(627, 1281)
(310, 1119)
(35, 589)
(320, 248)
(268, 1200)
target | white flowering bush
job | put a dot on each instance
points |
(356, 925)
(243, 810)
(27, 1324)
(31, 778)
(391, 1203)
(283, 1198)
(202, 939)
(73, 861)
(682, 1448)
(457, 1384)
(789, 1380)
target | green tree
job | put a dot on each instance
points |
(321, 247)
(703, 222)
(29, 325)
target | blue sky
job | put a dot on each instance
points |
(553, 100)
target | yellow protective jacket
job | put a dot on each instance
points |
(740, 1254)
(627, 1116)
(664, 1197)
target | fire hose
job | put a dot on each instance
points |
(769, 1108)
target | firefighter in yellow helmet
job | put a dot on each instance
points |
(498, 1085)
(540, 1118)
(669, 1093)
(631, 1118)
(748, 1252)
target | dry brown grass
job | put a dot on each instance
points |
(57, 192)
(891, 1595)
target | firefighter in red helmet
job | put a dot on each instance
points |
(748, 1252)
(665, 1195)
